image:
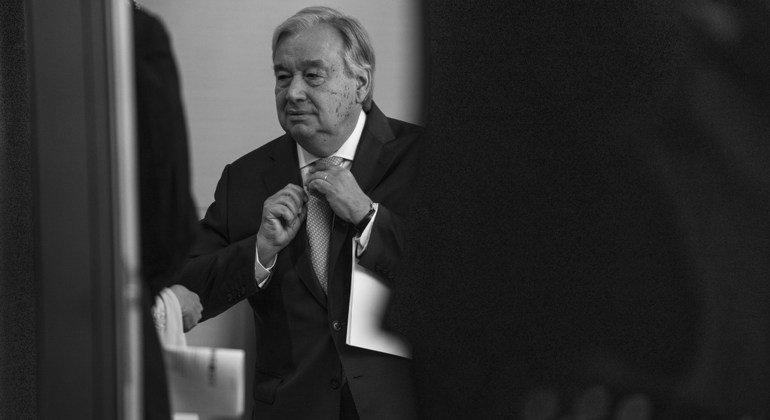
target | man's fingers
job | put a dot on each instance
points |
(295, 193)
(317, 176)
(294, 223)
(320, 186)
(291, 196)
(288, 202)
(291, 192)
(188, 322)
(283, 212)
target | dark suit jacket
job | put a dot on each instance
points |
(301, 357)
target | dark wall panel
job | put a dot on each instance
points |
(18, 352)
(591, 233)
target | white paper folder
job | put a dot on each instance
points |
(206, 380)
(369, 298)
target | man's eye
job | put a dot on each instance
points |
(313, 77)
(282, 79)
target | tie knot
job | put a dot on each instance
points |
(332, 160)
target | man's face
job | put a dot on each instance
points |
(318, 103)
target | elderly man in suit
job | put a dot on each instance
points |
(292, 217)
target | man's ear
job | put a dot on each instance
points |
(363, 85)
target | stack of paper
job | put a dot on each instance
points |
(369, 299)
(206, 380)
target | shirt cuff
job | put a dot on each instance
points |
(261, 273)
(363, 240)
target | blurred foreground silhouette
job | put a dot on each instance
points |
(594, 233)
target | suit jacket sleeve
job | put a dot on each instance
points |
(220, 268)
(387, 245)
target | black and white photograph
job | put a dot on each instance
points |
(401, 210)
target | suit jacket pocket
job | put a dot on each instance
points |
(265, 386)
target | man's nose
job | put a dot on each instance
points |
(296, 90)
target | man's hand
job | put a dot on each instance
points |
(282, 216)
(341, 190)
(191, 306)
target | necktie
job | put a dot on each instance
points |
(319, 217)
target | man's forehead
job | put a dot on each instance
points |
(303, 64)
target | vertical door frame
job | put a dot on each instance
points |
(86, 240)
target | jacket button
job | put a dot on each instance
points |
(336, 325)
(334, 384)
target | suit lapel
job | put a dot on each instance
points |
(372, 158)
(298, 251)
(371, 162)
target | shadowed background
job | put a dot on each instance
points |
(592, 236)
(603, 171)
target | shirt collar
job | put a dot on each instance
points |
(346, 151)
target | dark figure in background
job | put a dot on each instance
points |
(604, 170)
(256, 243)
(167, 213)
